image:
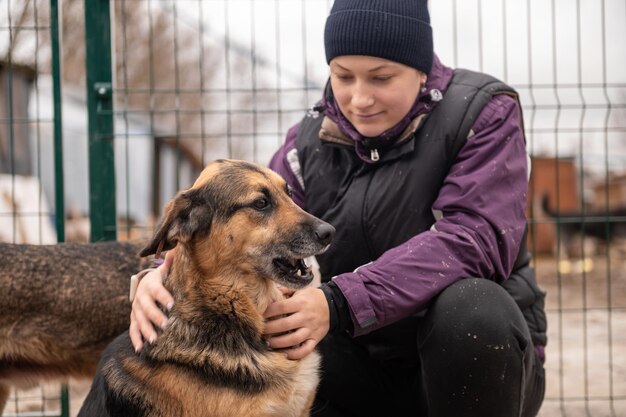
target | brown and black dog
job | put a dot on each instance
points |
(60, 306)
(237, 233)
(607, 227)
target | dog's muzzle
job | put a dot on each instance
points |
(291, 270)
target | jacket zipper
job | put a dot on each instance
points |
(374, 156)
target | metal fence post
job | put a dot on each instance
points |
(59, 189)
(100, 108)
(58, 121)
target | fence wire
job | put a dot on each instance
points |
(197, 80)
(29, 126)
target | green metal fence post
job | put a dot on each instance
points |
(59, 189)
(65, 401)
(100, 108)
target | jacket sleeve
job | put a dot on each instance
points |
(285, 162)
(477, 234)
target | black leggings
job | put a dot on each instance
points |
(469, 355)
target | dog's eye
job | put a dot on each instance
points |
(261, 203)
(289, 191)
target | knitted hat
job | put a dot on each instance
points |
(398, 30)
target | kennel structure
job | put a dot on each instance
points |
(107, 107)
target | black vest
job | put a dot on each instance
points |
(378, 206)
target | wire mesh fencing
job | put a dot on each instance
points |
(197, 80)
(29, 119)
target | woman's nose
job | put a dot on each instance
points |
(362, 96)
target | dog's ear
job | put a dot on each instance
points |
(185, 215)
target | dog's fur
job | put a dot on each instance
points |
(237, 232)
(60, 305)
(604, 226)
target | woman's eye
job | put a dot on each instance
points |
(261, 203)
(382, 78)
(343, 77)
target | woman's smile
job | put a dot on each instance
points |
(368, 117)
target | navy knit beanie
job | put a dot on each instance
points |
(398, 30)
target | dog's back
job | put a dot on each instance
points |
(110, 404)
(604, 225)
(60, 305)
(132, 385)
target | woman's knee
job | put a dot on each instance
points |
(474, 309)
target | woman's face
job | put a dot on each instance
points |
(374, 94)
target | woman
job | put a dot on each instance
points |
(427, 304)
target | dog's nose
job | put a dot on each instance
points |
(324, 233)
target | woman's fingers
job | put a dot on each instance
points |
(297, 324)
(282, 324)
(280, 308)
(146, 313)
(134, 333)
(147, 308)
(287, 292)
(300, 351)
(143, 324)
(167, 262)
(154, 313)
(289, 339)
(295, 344)
(153, 282)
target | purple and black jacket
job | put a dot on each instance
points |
(478, 209)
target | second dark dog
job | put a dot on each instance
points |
(605, 226)
(60, 305)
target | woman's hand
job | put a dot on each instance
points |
(305, 323)
(145, 312)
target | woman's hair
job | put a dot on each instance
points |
(398, 30)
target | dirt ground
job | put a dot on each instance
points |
(586, 352)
